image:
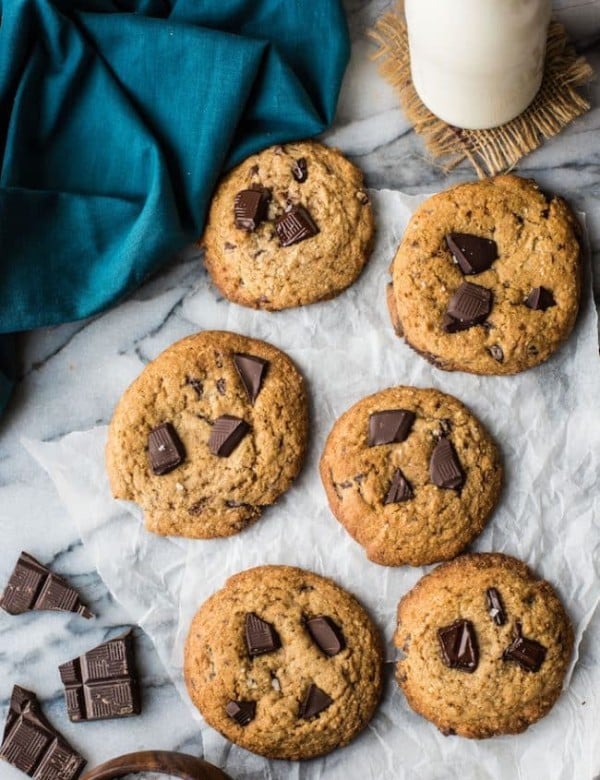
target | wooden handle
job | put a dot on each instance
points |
(162, 761)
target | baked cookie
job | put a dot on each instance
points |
(289, 226)
(486, 646)
(209, 434)
(284, 663)
(487, 277)
(411, 474)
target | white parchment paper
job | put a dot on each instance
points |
(547, 424)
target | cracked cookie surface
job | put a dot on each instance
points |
(250, 265)
(190, 386)
(506, 691)
(537, 243)
(284, 716)
(407, 518)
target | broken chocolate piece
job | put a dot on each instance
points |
(314, 702)
(250, 207)
(540, 299)
(241, 711)
(444, 467)
(496, 352)
(495, 606)
(326, 635)
(33, 745)
(458, 643)
(165, 449)
(473, 254)
(252, 372)
(32, 586)
(528, 653)
(226, 434)
(470, 305)
(295, 225)
(102, 683)
(300, 170)
(400, 489)
(261, 637)
(390, 427)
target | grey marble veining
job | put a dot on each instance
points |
(68, 384)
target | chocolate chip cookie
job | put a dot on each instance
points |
(411, 474)
(284, 663)
(209, 434)
(487, 277)
(484, 645)
(289, 226)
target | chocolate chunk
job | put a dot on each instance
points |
(33, 745)
(528, 653)
(326, 635)
(261, 637)
(300, 170)
(389, 427)
(496, 352)
(221, 386)
(102, 683)
(458, 643)
(444, 467)
(495, 606)
(197, 385)
(241, 711)
(226, 434)
(400, 489)
(540, 299)
(252, 371)
(250, 207)
(34, 587)
(472, 253)
(165, 449)
(295, 225)
(315, 701)
(470, 305)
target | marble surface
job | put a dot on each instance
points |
(67, 385)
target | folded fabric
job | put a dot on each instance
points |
(118, 116)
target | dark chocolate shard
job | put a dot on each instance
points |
(314, 702)
(241, 711)
(261, 637)
(226, 434)
(458, 643)
(102, 683)
(495, 606)
(32, 586)
(165, 449)
(473, 254)
(221, 386)
(390, 427)
(300, 170)
(33, 745)
(250, 207)
(528, 653)
(496, 352)
(196, 384)
(540, 299)
(326, 635)
(400, 489)
(470, 305)
(252, 372)
(444, 467)
(295, 225)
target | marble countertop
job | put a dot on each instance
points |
(67, 385)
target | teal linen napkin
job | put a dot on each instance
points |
(117, 118)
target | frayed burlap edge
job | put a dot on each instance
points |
(489, 151)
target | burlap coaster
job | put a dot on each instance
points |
(489, 151)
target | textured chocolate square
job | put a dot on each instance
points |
(165, 449)
(295, 225)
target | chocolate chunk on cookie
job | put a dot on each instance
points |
(430, 475)
(317, 679)
(209, 434)
(515, 662)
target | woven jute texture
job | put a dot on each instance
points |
(489, 151)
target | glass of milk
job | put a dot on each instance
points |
(477, 63)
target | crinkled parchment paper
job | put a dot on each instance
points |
(547, 424)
